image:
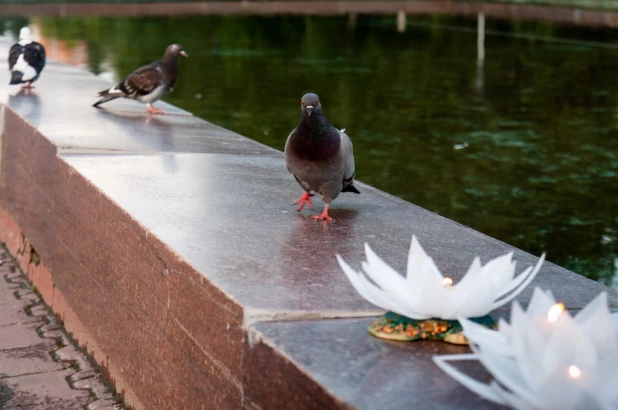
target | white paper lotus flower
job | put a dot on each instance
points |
(546, 359)
(426, 294)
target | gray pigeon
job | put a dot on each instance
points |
(319, 156)
(149, 83)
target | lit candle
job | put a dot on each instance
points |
(574, 371)
(523, 356)
(554, 312)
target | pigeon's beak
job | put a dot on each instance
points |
(309, 109)
(183, 53)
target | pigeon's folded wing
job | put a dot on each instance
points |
(14, 53)
(142, 82)
(36, 50)
(34, 54)
(347, 163)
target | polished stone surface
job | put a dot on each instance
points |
(233, 218)
(60, 107)
(358, 369)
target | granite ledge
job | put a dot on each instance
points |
(282, 264)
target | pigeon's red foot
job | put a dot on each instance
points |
(28, 86)
(305, 199)
(152, 110)
(323, 216)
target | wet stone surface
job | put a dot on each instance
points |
(365, 371)
(67, 118)
(233, 218)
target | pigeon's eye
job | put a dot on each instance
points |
(302, 103)
(317, 103)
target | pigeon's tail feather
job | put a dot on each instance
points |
(350, 188)
(16, 77)
(104, 93)
(106, 97)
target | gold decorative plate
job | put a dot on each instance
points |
(392, 326)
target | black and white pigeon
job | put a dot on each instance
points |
(26, 59)
(319, 156)
(149, 83)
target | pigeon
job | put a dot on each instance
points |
(149, 83)
(26, 59)
(319, 156)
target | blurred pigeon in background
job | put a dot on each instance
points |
(26, 59)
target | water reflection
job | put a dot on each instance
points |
(522, 147)
(26, 101)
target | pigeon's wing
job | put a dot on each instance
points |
(14, 53)
(34, 54)
(290, 161)
(347, 160)
(141, 82)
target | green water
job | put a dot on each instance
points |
(524, 149)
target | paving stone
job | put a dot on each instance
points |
(7, 286)
(44, 391)
(103, 404)
(13, 309)
(28, 360)
(20, 335)
(69, 353)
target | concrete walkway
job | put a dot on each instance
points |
(40, 367)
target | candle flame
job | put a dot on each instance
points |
(574, 371)
(446, 282)
(554, 312)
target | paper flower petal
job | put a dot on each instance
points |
(422, 293)
(545, 361)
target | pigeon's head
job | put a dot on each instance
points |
(25, 33)
(309, 104)
(175, 50)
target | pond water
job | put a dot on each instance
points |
(524, 149)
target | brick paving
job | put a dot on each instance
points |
(40, 367)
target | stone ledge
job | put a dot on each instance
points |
(166, 251)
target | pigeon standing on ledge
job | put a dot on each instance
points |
(26, 59)
(149, 83)
(320, 157)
